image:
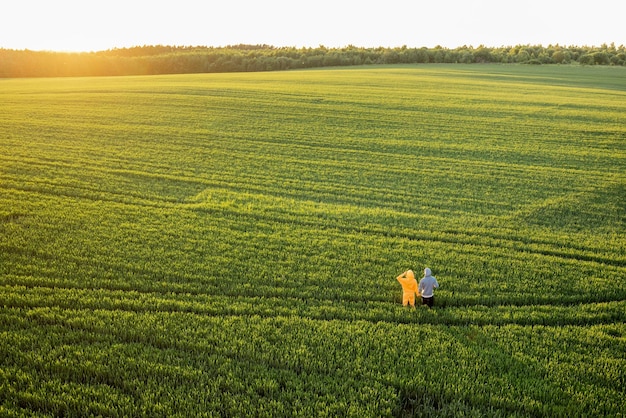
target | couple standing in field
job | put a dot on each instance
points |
(410, 288)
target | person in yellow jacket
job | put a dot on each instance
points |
(409, 288)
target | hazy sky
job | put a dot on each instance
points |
(93, 25)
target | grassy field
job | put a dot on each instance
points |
(227, 244)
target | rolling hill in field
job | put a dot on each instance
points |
(228, 244)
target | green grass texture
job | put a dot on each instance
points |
(226, 245)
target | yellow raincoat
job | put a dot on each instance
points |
(409, 287)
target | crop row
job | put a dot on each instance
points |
(178, 239)
(322, 269)
(292, 360)
(309, 302)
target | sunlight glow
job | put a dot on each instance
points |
(68, 25)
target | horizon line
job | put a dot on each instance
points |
(612, 44)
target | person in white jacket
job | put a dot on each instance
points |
(427, 287)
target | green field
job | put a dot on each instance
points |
(227, 244)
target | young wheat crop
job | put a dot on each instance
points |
(227, 244)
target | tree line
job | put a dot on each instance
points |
(159, 59)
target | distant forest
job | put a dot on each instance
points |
(151, 60)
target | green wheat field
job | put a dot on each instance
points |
(226, 245)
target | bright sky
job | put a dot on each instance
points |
(94, 25)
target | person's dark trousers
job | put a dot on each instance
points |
(428, 301)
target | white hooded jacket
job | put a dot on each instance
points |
(428, 284)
